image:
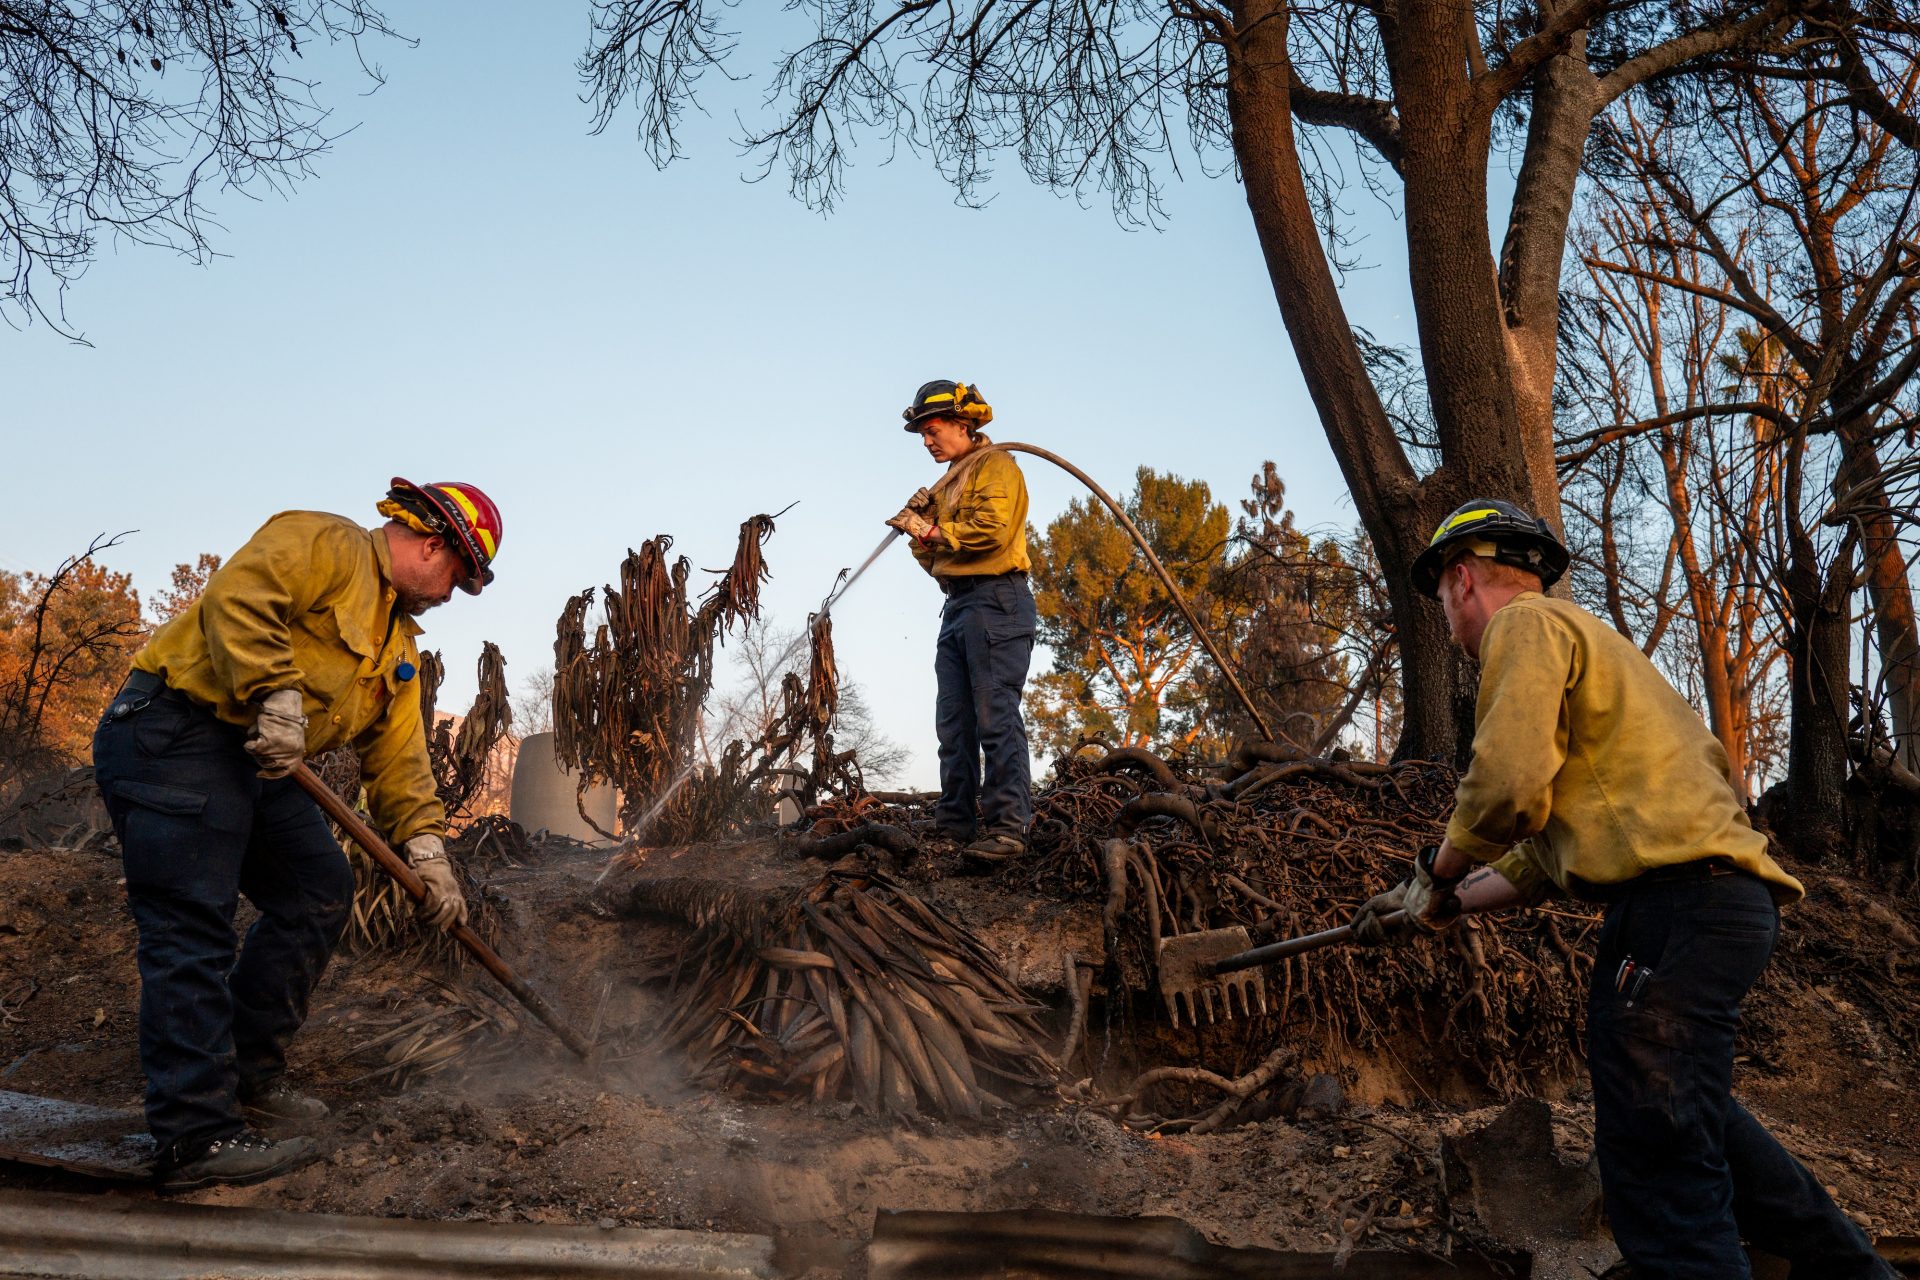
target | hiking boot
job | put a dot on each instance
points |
(278, 1105)
(240, 1160)
(991, 851)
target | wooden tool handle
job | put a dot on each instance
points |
(367, 838)
(1295, 946)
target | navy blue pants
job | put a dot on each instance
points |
(198, 827)
(1686, 1171)
(986, 640)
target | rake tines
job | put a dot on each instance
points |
(1187, 965)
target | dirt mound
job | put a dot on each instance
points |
(510, 1128)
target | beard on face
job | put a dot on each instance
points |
(415, 603)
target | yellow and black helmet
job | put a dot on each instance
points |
(943, 399)
(1495, 529)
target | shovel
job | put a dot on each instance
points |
(1194, 967)
(391, 863)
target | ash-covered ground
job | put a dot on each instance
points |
(450, 1103)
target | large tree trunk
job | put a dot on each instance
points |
(1896, 633)
(1446, 134)
(1884, 563)
(1812, 822)
(1396, 509)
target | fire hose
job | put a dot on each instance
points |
(1139, 540)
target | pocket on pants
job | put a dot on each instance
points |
(163, 838)
(157, 726)
(154, 805)
(1643, 1087)
(178, 802)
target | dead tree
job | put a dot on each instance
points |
(1798, 215)
(46, 649)
(1650, 428)
(627, 704)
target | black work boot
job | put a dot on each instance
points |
(240, 1160)
(277, 1105)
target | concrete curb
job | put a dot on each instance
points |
(115, 1238)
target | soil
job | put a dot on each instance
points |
(512, 1128)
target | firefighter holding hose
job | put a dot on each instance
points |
(1593, 777)
(301, 642)
(972, 539)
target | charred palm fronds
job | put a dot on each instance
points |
(339, 769)
(384, 919)
(853, 989)
(806, 720)
(459, 759)
(628, 705)
(487, 721)
(494, 840)
(461, 1027)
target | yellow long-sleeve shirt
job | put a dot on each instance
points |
(1587, 764)
(309, 604)
(984, 518)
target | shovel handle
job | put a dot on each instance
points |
(1296, 946)
(388, 861)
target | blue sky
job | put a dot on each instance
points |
(475, 288)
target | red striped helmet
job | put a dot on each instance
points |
(462, 514)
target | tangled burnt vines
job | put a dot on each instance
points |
(1293, 846)
(628, 707)
(853, 988)
(1287, 846)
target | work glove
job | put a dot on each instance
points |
(278, 739)
(1430, 899)
(1368, 929)
(445, 905)
(912, 523)
(921, 503)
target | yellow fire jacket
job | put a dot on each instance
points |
(984, 518)
(308, 604)
(1588, 765)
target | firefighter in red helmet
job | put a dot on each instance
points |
(303, 641)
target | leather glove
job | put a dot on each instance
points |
(1368, 930)
(1430, 899)
(278, 739)
(921, 503)
(912, 523)
(445, 905)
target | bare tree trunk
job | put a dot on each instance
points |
(1899, 638)
(1884, 563)
(1813, 823)
(1711, 633)
(1446, 133)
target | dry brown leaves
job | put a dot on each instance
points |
(628, 705)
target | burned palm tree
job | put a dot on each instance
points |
(382, 917)
(628, 705)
